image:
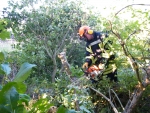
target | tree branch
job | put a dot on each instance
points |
(130, 58)
(129, 6)
(117, 98)
(62, 42)
(66, 66)
(112, 105)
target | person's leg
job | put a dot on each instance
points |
(113, 76)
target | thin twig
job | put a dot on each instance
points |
(117, 98)
(129, 6)
(112, 105)
(130, 58)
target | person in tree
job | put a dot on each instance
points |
(98, 52)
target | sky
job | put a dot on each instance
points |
(101, 4)
(3, 4)
(105, 5)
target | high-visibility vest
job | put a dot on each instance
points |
(105, 46)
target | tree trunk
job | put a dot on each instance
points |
(132, 102)
(54, 70)
(137, 94)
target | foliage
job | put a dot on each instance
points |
(24, 72)
(51, 27)
(3, 29)
(41, 106)
(44, 32)
(13, 99)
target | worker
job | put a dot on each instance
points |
(98, 52)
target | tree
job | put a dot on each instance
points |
(45, 31)
(134, 42)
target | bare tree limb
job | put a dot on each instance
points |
(62, 42)
(117, 98)
(112, 105)
(134, 98)
(129, 6)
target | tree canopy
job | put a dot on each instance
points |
(44, 29)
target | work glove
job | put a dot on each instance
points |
(85, 65)
(107, 34)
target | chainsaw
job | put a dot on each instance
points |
(94, 72)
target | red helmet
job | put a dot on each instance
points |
(83, 29)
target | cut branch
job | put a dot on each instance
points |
(66, 67)
(65, 64)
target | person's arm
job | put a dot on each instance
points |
(89, 57)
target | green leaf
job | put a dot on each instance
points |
(13, 97)
(24, 72)
(71, 111)
(3, 31)
(1, 71)
(84, 109)
(20, 109)
(1, 87)
(9, 98)
(62, 109)
(4, 34)
(3, 110)
(41, 106)
(24, 98)
(5, 67)
(21, 87)
(2, 57)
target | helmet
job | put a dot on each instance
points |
(83, 29)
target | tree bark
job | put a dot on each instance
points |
(132, 102)
(66, 67)
(65, 64)
(137, 94)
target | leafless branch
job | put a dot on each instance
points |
(117, 98)
(62, 42)
(129, 6)
(112, 105)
